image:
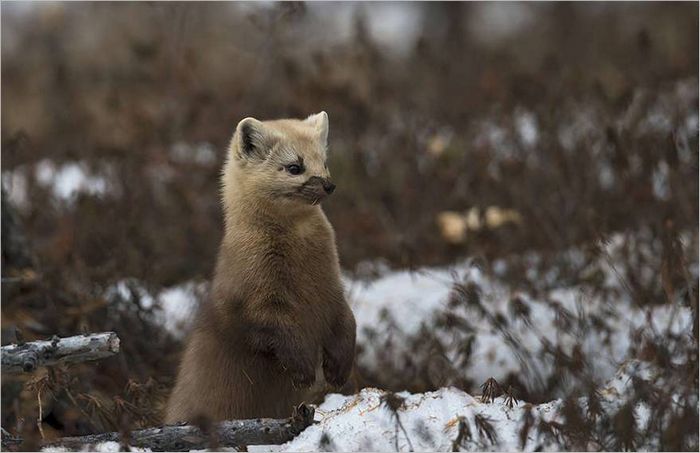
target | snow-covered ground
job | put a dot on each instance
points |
(431, 422)
(398, 306)
(392, 313)
(444, 420)
(428, 422)
(395, 311)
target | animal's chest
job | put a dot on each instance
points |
(302, 264)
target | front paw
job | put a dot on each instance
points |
(303, 379)
(300, 369)
(337, 367)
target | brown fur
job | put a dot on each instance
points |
(277, 310)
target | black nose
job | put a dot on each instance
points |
(329, 187)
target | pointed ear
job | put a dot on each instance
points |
(254, 140)
(320, 122)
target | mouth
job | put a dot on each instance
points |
(312, 192)
(311, 195)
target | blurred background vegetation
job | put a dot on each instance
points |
(578, 121)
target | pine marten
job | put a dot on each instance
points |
(277, 311)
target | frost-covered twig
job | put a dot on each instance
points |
(233, 433)
(29, 356)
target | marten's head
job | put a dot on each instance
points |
(282, 161)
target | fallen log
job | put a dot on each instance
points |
(27, 357)
(9, 442)
(233, 433)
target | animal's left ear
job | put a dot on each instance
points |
(320, 122)
(254, 139)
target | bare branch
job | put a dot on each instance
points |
(27, 357)
(9, 441)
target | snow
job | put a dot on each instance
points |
(493, 22)
(431, 421)
(416, 294)
(69, 179)
(408, 301)
(178, 304)
(526, 125)
(363, 422)
(173, 307)
(661, 179)
(15, 185)
(114, 447)
(104, 447)
(200, 153)
(65, 181)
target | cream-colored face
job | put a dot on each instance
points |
(285, 159)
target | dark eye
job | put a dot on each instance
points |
(295, 169)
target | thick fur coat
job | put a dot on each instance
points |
(277, 311)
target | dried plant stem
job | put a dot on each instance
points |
(41, 416)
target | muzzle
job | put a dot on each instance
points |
(316, 189)
(319, 183)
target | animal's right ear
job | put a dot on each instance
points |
(254, 140)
